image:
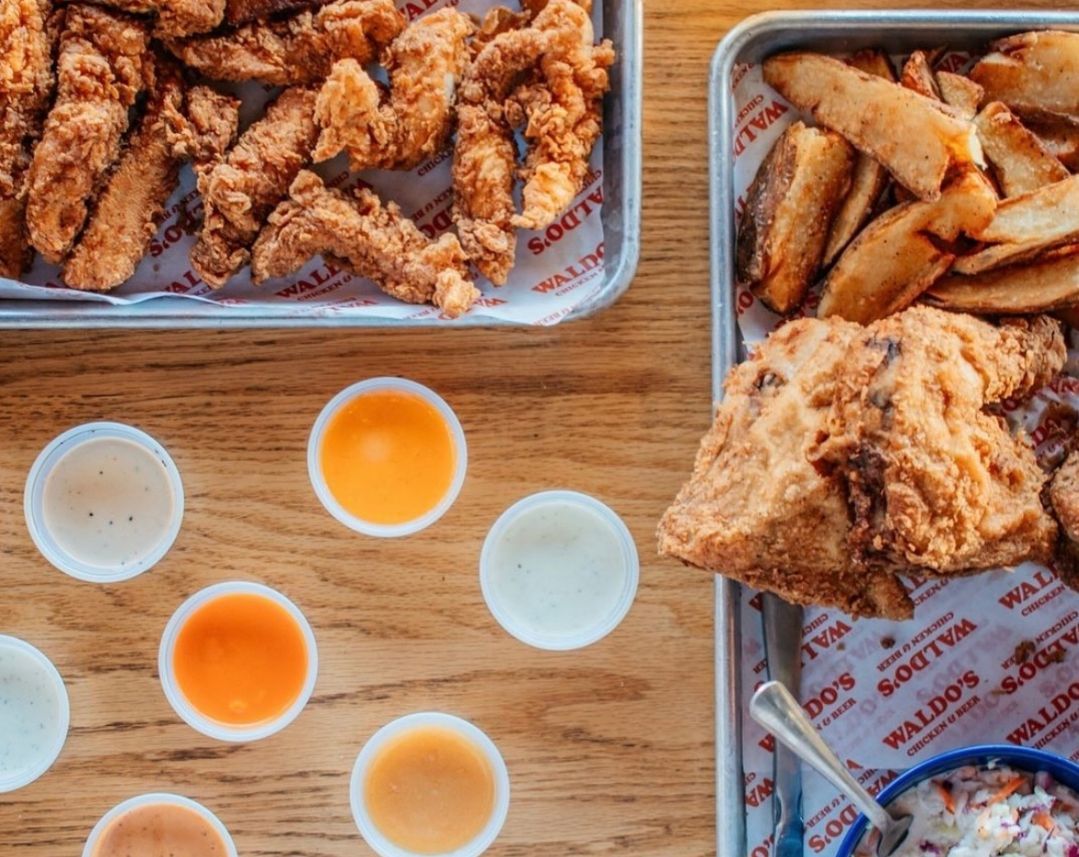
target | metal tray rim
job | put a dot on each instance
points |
(730, 805)
(618, 279)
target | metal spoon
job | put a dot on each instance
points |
(777, 711)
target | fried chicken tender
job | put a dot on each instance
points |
(245, 11)
(103, 64)
(128, 210)
(424, 64)
(26, 46)
(843, 457)
(485, 155)
(300, 49)
(373, 240)
(175, 18)
(562, 114)
(241, 191)
(210, 124)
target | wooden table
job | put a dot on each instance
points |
(609, 749)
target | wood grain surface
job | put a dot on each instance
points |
(610, 750)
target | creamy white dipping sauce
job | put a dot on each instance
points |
(558, 569)
(108, 502)
(31, 714)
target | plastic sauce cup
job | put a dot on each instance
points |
(318, 479)
(578, 509)
(192, 716)
(429, 719)
(56, 683)
(33, 502)
(155, 799)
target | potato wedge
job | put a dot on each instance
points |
(1048, 214)
(869, 178)
(905, 250)
(1026, 226)
(917, 75)
(960, 92)
(907, 132)
(1061, 140)
(1021, 289)
(1036, 74)
(789, 209)
(1019, 161)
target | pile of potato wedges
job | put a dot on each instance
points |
(953, 189)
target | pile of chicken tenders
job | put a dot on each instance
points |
(101, 104)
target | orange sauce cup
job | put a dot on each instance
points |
(430, 784)
(238, 661)
(387, 457)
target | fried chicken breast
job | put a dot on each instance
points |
(245, 11)
(128, 210)
(240, 192)
(26, 78)
(103, 64)
(843, 457)
(414, 122)
(296, 50)
(363, 235)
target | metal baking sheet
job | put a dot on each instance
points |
(752, 40)
(621, 229)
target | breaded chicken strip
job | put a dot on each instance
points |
(175, 18)
(26, 78)
(485, 155)
(562, 114)
(414, 122)
(211, 122)
(363, 235)
(300, 49)
(129, 208)
(239, 193)
(245, 11)
(103, 64)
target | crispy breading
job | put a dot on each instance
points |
(935, 484)
(755, 509)
(241, 191)
(399, 132)
(373, 240)
(26, 78)
(845, 457)
(175, 18)
(211, 122)
(103, 64)
(562, 112)
(789, 209)
(484, 155)
(129, 208)
(245, 11)
(300, 49)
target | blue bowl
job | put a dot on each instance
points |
(1021, 758)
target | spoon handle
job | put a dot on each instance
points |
(777, 711)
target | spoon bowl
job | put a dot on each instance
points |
(774, 708)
